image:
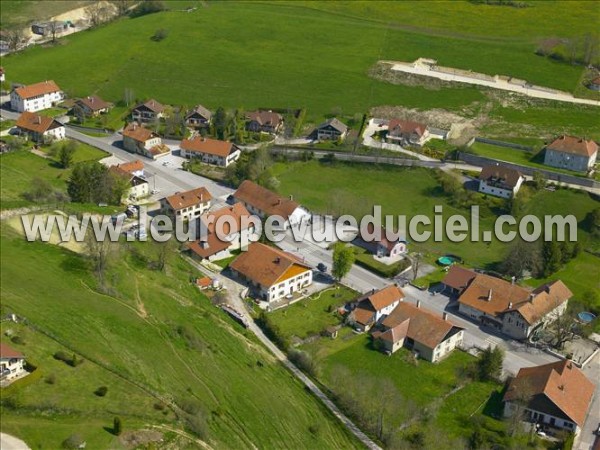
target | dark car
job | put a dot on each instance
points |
(321, 267)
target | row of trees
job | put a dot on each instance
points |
(539, 259)
(255, 166)
(94, 183)
(584, 49)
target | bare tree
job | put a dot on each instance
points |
(128, 96)
(54, 27)
(415, 261)
(99, 251)
(562, 329)
(14, 39)
(96, 14)
(122, 6)
(519, 404)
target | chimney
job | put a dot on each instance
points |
(531, 297)
(512, 280)
(509, 305)
(278, 201)
(291, 197)
(277, 260)
(418, 303)
(445, 316)
(561, 387)
(489, 297)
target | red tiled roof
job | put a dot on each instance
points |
(265, 117)
(397, 126)
(561, 382)
(264, 199)
(236, 212)
(423, 325)
(458, 277)
(152, 105)
(138, 132)
(7, 351)
(505, 176)
(264, 264)
(94, 103)
(210, 146)
(133, 166)
(574, 145)
(36, 123)
(34, 90)
(384, 297)
(186, 199)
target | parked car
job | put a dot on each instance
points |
(321, 267)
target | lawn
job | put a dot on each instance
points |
(368, 261)
(312, 315)
(157, 330)
(283, 72)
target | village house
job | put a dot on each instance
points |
(264, 121)
(372, 307)
(133, 167)
(419, 330)
(569, 152)
(594, 84)
(12, 363)
(40, 129)
(264, 203)
(507, 307)
(272, 273)
(500, 181)
(406, 132)
(91, 106)
(141, 140)
(457, 279)
(331, 130)
(199, 117)
(557, 394)
(188, 205)
(210, 151)
(36, 97)
(149, 111)
(379, 245)
(137, 187)
(237, 228)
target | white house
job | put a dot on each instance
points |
(138, 187)
(199, 117)
(569, 152)
(141, 140)
(557, 394)
(500, 181)
(36, 97)
(406, 132)
(133, 167)
(188, 205)
(332, 129)
(41, 129)
(380, 243)
(149, 111)
(419, 330)
(12, 363)
(271, 273)
(372, 307)
(210, 151)
(264, 203)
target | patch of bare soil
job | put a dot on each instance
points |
(382, 71)
(134, 439)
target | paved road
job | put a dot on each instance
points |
(8, 442)
(586, 437)
(528, 90)
(233, 292)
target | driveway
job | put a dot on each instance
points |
(8, 442)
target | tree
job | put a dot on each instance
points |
(163, 249)
(562, 329)
(523, 257)
(117, 426)
(343, 258)
(99, 252)
(519, 402)
(220, 122)
(415, 261)
(66, 153)
(159, 35)
(552, 255)
(489, 364)
(54, 27)
(128, 96)
(148, 7)
(14, 39)
(539, 180)
(122, 6)
(95, 14)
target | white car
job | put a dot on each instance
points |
(155, 191)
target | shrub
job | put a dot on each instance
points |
(50, 379)
(17, 340)
(159, 406)
(74, 361)
(101, 391)
(73, 441)
(196, 424)
(61, 356)
(303, 361)
(117, 426)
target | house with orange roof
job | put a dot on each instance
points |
(223, 230)
(41, 129)
(508, 307)
(264, 203)
(210, 151)
(138, 187)
(12, 364)
(264, 121)
(36, 97)
(419, 330)
(188, 205)
(133, 167)
(557, 394)
(374, 306)
(500, 181)
(139, 139)
(271, 273)
(573, 153)
(91, 106)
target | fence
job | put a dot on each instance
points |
(482, 161)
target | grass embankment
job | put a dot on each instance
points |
(158, 331)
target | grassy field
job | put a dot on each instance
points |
(154, 329)
(322, 187)
(311, 316)
(23, 12)
(285, 72)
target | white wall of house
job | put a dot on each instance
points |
(11, 367)
(510, 408)
(497, 191)
(34, 104)
(446, 347)
(289, 286)
(208, 158)
(570, 161)
(139, 191)
(186, 214)
(386, 311)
